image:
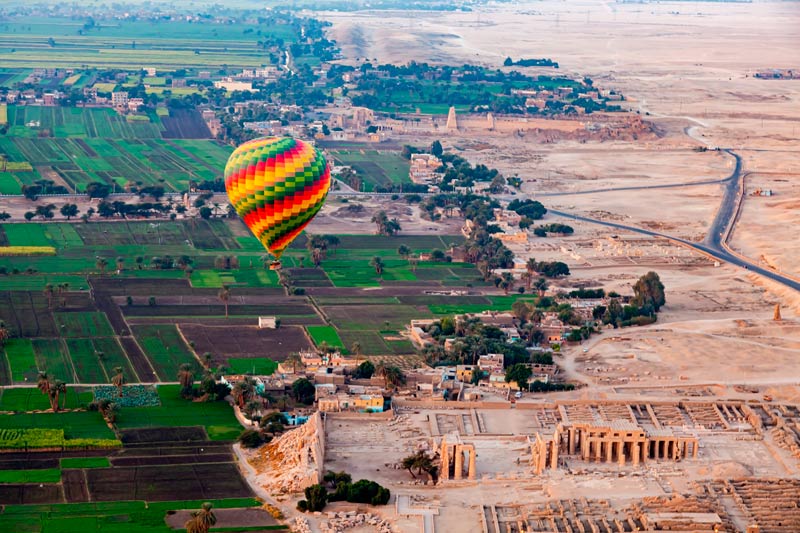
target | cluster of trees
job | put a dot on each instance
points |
(532, 209)
(648, 298)
(52, 388)
(543, 230)
(385, 225)
(318, 245)
(543, 62)
(343, 489)
(42, 186)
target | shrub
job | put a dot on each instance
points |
(250, 438)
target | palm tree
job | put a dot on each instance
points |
(139, 261)
(507, 282)
(205, 517)
(118, 380)
(63, 288)
(531, 265)
(356, 349)
(186, 379)
(527, 277)
(377, 264)
(316, 256)
(224, 296)
(294, 359)
(393, 376)
(120, 264)
(43, 382)
(56, 389)
(49, 291)
(4, 333)
(541, 286)
(101, 263)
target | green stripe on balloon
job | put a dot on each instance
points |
(270, 235)
(305, 177)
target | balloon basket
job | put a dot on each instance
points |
(275, 265)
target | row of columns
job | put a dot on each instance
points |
(458, 451)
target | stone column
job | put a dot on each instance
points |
(471, 473)
(584, 445)
(694, 449)
(598, 448)
(571, 439)
(621, 447)
(609, 450)
(554, 456)
(445, 473)
(459, 470)
(635, 453)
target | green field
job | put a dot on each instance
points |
(21, 359)
(26, 235)
(95, 359)
(85, 462)
(47, 475)
(261, 366)
(97, 144)
(216, 417)
(75, 424)
(375, 167)
(326, 334)
(32, 399)
(165, 348)
(165, 45)
(107, 517)
(87, 324)
(53, 358)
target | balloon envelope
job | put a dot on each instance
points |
(277, 185)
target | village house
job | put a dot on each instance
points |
(423, 168)
(493, 362)
(419, 337)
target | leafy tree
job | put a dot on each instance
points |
(518, 373)
(29, 215)
(364, 371)
(316, 499)
(4, 216)
(508, 62)
(419, 461)
(649, 291)
(303, 391)
(436, 148)
(378, 265)
(205, 212)
(403, 251)
(69, 210)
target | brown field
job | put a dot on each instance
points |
(245, 341)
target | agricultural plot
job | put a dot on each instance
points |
(375, 167)
(243, 342)
(21, 360)
(32, 399)
(63, 122)
(104, 517)
(52, 357)
(202, 234)
(165, 348)
(257, 366)
(166, 45)
(85, 462)
(26, 235)
(74, 424)
(216, 418)
(326, 334)
(94, 360)
(83, 324)
(46, 475)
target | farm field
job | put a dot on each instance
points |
(97, 144)
(375, 167)
(259, 366)
(165, 45)
(166, 350)
(326, 334)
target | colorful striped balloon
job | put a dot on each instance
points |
(277, 185)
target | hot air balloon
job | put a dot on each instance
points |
(277, 185)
